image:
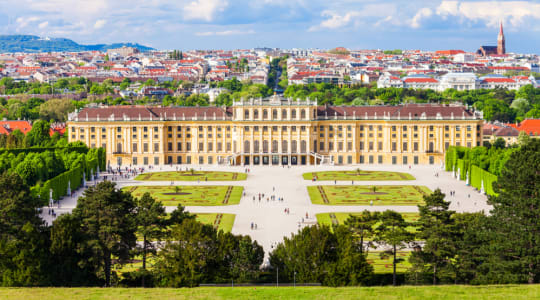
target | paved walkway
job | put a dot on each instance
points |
(273, 224)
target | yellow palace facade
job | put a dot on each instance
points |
(276, 131)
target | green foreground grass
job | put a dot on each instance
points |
(207, 195)
(358, 176)
(363, 194)
(188, 176)
(339, 219)
(502, 292)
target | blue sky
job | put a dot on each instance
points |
(230, 24)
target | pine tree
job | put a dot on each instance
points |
(392, 231)
(515, 213)
(151, 225)
(362, 226)
(436, 229)
(107, 217)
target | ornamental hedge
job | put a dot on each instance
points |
(478, 176)
(16, 151)
(482, 164)
(86, 164)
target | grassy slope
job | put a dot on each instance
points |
(352, 175)
(503, 292)
(179, 176)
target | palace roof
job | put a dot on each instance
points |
(209, 113)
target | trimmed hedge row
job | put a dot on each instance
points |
(59, 184)
(450, 159)
(477, 175)
(16, 151)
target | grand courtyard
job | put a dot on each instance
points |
(206, 198)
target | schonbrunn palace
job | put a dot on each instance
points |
(276, 131)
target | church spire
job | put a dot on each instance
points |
(501, 45)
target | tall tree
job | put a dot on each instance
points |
(56, 109)
(240, 257)
(316, 254)
(362, 226)
(516, 210)
(190, 257)
(436, 229)
(392, 231)
(39, 135)
(151, 224)
(107, 216)
(23, 237)
(69, 259)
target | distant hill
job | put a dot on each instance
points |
(32, 43)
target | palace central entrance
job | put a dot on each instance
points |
(275, 160)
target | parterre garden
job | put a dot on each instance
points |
(368, 194)
(188, 195)
(219, 221)
(383, 264)
(339, 219)
(192, 176)
(358, 175)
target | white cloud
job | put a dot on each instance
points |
(491, 12)
(100, 23)
(25, 21)
(371, 13)
(422, 13)
(43, 24)
(204, 10)
(224, 33)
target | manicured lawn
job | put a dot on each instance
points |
(207, 195)
(384, 265)
(441, 292)
(363, 194)
(221, 221)
(188, 176)
(358, 176)
(339, 218)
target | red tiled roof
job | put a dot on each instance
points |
(403, 111)
(148, 113)
(496, 79)
(530, 126)
(449, 52)
(6, 127)
(508, 68)
(420, 79)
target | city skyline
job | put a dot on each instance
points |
(212, 24)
